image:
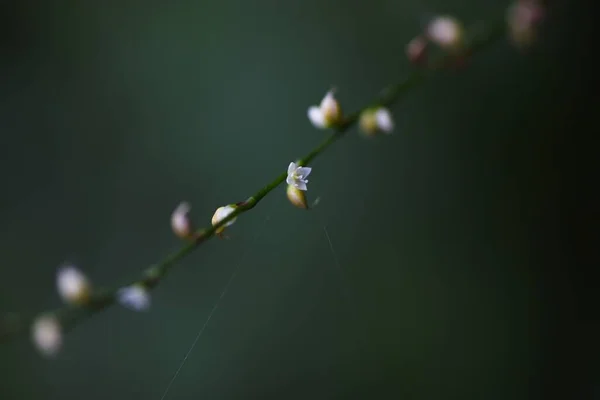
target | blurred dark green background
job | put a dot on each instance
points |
(112, 113)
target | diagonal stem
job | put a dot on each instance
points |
(69, 316)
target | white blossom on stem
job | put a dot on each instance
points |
(180, 221)
(46, 334)
(72, 285)
(296, 176)
(135, 297)
(222, 213)
(377, 119)
(327, 114)
(447, 32)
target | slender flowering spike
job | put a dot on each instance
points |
(72, 285)
(416, 50)
(134, 297)
(46, 334)
(180, 221)
(327, 114)
(447, 32)
(296, 197)
(378, 119)
(222, 213)
(297, 176)
(523, 18)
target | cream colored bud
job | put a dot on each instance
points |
(180, 221)
(296, 196)
(46, 334)
(222, 213)
(72, 285)
(327, 114)
(447, 32)
(376, 119)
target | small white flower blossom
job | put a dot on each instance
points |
(72, 285)
(46, 334)
(327, 114)
(384, 120)
(222, 213)
(180, 222)
(134, 297)
(375, 120)
(297, 176)
(446, 32)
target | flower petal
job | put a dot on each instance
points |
(316, 117)
(303, 172)
(300, 185)
(292, 168)
(384, 120)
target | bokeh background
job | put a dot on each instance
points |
(445, 275)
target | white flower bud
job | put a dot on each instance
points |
(296, 197)
(180, 221)
(378, 119)
(327, 114)
(447, 32)
(222, 213)
(134, 297)
(73, 287)
(46, 334)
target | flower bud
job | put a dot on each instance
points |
(72, 285)
(222, 213)
(327, 114)
(296, 197)
(523, 18)
(180, 221)
(46, 334)
(416, 50)
(446, 32)
(376, 119)
(135, 297)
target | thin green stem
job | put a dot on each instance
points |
(69, 316)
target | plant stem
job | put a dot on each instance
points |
(69, 316)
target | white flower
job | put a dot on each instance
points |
(46, 334)
(180, 222)
(327, 114)
(446, 32)
(134, 297)
(72, 285)
(375, 120)
(222, 213)
(297, 176)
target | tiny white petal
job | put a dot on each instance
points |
(46, 334)
(292, 167)
(328, 101)
(384, 120)
(303, 171)
(316, 117)
(72, 285)
(300, 185)
(134, 297)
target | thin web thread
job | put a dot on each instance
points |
(201, 331)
